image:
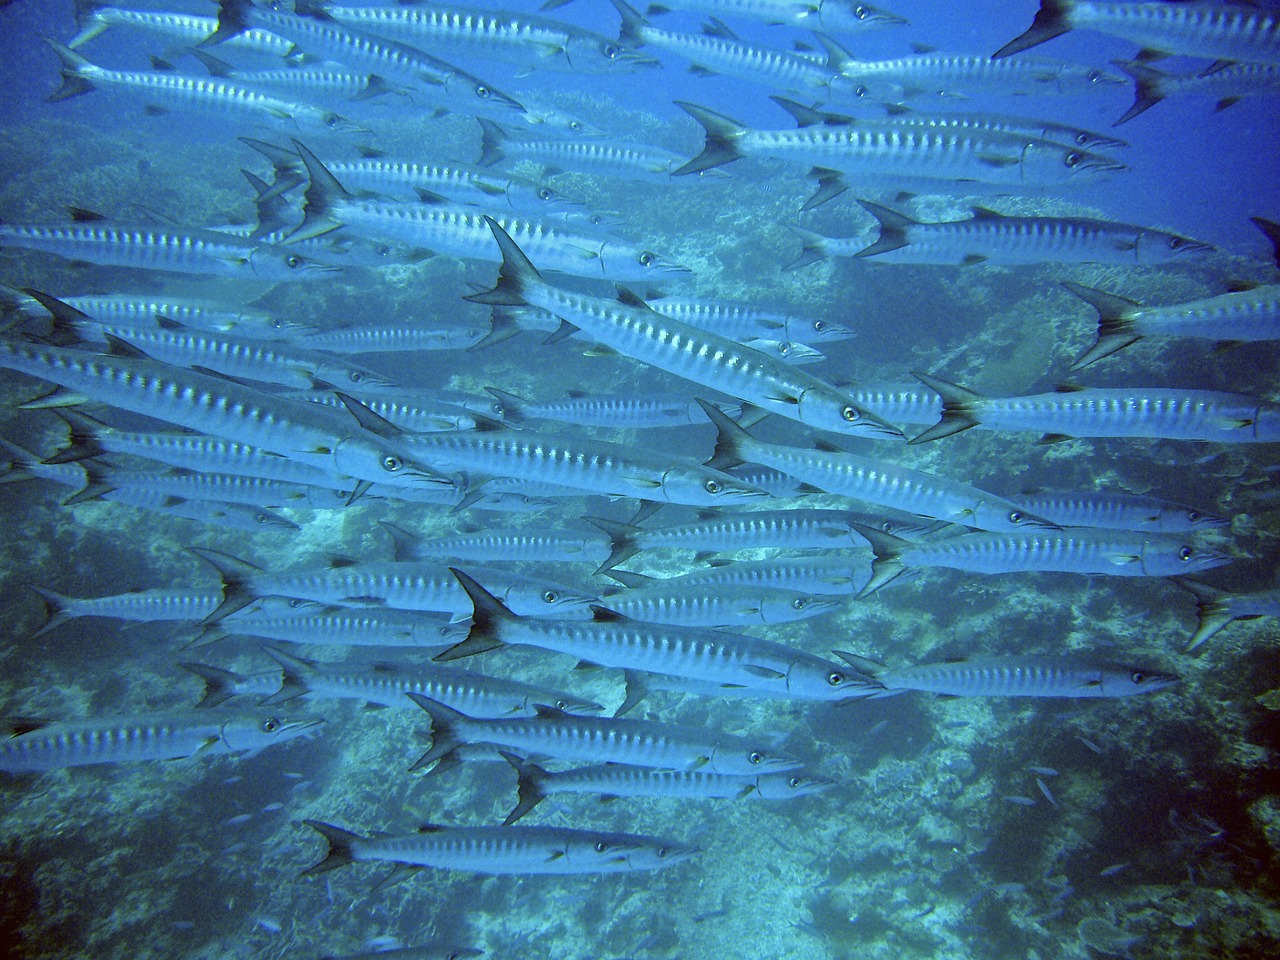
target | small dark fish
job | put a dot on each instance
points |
(1090, 744)
(237, 820)
(1112, 870)
(1020, 801)
(1048, 794)
(877, 727)
(1044, 771)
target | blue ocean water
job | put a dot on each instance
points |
(982, 827)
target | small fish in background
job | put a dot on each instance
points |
(1044, 771)
(1019, 801)
(1114, 869)
(1048, 794)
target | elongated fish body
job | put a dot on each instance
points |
(1033, 129)
(745, 320)
(622, 411)
(401, 586)
(533, 544)
(149, 247)
(840, 16)
(990, 237)
(707, 359)
(185, 29)
(950, 74)
(342, 626)
(203, 487)
(395, 338)
(590, 466)
(168, 90)
(309, 84)
(313, 30)
(217, 406)
(1117, 553)
(405, 411)
(874, 481)
(1217, 608)
(640, 743)
(522, 37)
(78, 743)
(1217, 31)
(835, 576)
(155, 605)
(1019, 677)
(900, 151)
(139, 310)
(1228, 85)
(387, 684)
(1129, 412)
(616, 780)
(602, 158)
(503, 850)
(1245, 316)
(900, 402)
(736, 605)
(1119, 511)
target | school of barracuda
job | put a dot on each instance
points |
(441, 521)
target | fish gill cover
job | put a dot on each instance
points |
(346, 461)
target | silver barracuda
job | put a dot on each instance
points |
(603, 158)
(155, 605)
(730, 605)
(315, 624)
(1216, 31)
(313, 30)
(1119, 511)
(1117, 553)
(1216, 608)
(309, 83)
(141, 310)
(501, 850)
(902, 152)
(463, 231)
(1244, 316)
(411, 411)
(566, 736)
(406, 337)
(707, 359)
(94, 18)
(622, 411)
(747, 320)
(838, 16)
(616, 780)
(490, 545)
(1229, 85)
(202, 733)
(1133, 412)
(164, 89)
(521, 37)
(839, 575)
(1054, 131)
(1016, 677)
(213, 405)
(873, 480)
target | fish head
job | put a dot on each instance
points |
(753, 759)
(625, 261)
(1157, 246)
(481, 97)
(827, 409)
(546, 118)
(617, 852)
(592, 54)
(266, 520)
(703, 487)
(347, 376)
(254, 732)
(1045, 162)
(830, 681)
(853, 15)
(808, 329)
(1088, 140)
(1168, 557)
(787, 607)
(374, 459)
(795, 354)
(268, 262)
(1004, 516)
(527, 597)
(1116, 680)
(796, 783)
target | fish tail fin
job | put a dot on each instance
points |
(622, 541)
(633, 22)
(286, 166)
(75, 70)
(959, 408)
(492, 137)
(444, 737)
(722, 134)
(89, 23)
(340, 852)
(323, 193)
(529, 788)
(296, 674)
(1271, 230)
(515, 277)
(66, 322)
(893, 229)
(730, 438)
(1115, 323)
(1211, 608)
(887, 565)
(488, 618)
(84, 437)
(1148, 87)
(831, 184)
(220, 685)
(813, 247)
(233, 20)
(1051, 20)
(55, 609)
(235, 574)
(404, 545)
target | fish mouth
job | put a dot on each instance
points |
(1195, 246)
(1099, 165)
(1099, 142)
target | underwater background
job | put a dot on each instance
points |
(981, 827)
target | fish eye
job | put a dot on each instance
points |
(1193, 515)
(793, 781)
(610, 51)
(1186, 553)
(392, 464)
(550, 596)
(277, 324)
(1175, 243)
(483, 92)
(861, 91)
(819, 325)
(799, 603)
(1082, 139)
(1094, 76)
(356, 376)
(647, 259)
(382, 250)
(1015, 516)
(850, 415)
(545, 194)
(292, 261)
(662, 853)
(755, 757)
(332, 120)
(601, 846)
(784, 349)
(861, 12)
(562, 705)
(1138, 676)
(834, 679)
(270, 725)
(575, 126)
(711, 486)
(1072, 159)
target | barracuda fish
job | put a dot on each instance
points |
(1227, 86)
(463, 231)
(835, 576)
(1117, 553)
(157, 605)
(312, 623)
(213, 405)
(185, 29)
(1243, 316)
(602, 158)
(486, 545)
(1216, 31)
(1217, 608)
(1133, 412)
(163, 90)
(1016, 677)
(94, 239)
(1120, 511)
(410, 410)
(313, 30)
(408, 337)
(521, 37)
(900, 151)
(1034, 129)
(722, 659)
(615, 780)
(707, 359)
(901, 402)
(991, 237)
(622, 411)
(501, 850)
(746, 320)
(402, 586)
(838, 16)
(731, 605)
(141, 310)
(78, 743)
(566, 736)
(872, 480)
(312, 82)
